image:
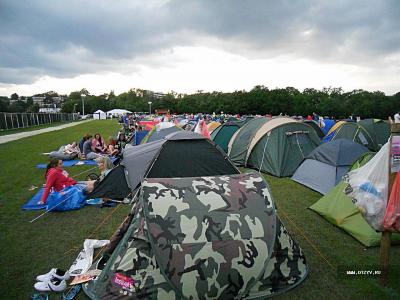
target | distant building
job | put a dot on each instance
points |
(38, 100)
(58, 100)
(158, 95)
(155, 95)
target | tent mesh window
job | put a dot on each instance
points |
(190, 159)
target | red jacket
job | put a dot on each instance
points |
(55, 178)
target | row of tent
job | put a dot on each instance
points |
(282, 145)
(277, 146)
(198, 228)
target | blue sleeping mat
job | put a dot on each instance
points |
(70, 163)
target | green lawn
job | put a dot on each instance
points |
(327, 246)
(29, 249)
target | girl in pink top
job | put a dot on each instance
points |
(56, 178)
(98, 145)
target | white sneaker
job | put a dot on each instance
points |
(54, 285)
(53, 273)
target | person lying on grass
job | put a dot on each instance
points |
(72, 148)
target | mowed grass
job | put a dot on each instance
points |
(29, 249)
(326, 248)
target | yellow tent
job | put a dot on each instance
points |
(334, 127)
(211, 126)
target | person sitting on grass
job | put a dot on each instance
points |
(111, 150)
(105, 166)
(98, 145)
(87, 150)
(83, 140)
(56, 178)
(121, 141)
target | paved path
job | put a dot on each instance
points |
(21, 135)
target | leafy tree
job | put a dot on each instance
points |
(14, 96)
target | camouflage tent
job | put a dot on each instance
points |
(202, 238)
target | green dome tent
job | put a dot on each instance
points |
(280, 145)
(238, 145)
(223, 134)
(355, 132)
(202, 238)
(339, 210)
(378, 129)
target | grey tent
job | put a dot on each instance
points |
(155, 135)
(325, 165)
(213, 237)
(180, 154)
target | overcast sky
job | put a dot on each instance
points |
(187, 45)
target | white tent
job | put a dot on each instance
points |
(118, 112)
(99, 115)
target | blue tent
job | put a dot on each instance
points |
(328, 125)
(324, 167)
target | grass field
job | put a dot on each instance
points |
(29, 249)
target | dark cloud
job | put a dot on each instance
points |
(77, 37)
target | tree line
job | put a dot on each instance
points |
(331, 102)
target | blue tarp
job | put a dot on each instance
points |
(72, 197)
(32, 203)
(70, 163)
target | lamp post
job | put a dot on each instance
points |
(149, 107)
(83, 96)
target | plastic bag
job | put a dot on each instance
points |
(392, 215)
(69, 198)
(368, 188)
(85, 258)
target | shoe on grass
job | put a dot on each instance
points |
(53, 285)
(53, 273)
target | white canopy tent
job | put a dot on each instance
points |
(118, 112)
(99, 115)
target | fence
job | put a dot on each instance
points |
(23, 120)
